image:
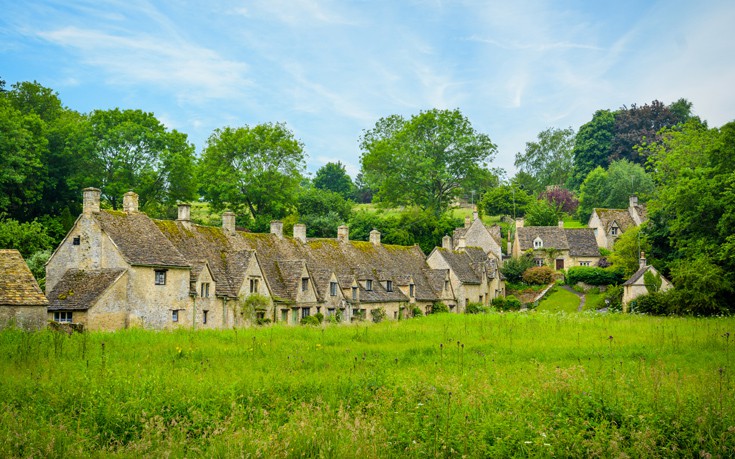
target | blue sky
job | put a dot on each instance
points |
(331, 69)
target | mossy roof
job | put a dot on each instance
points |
(620, 216)
(79, 290)
(18, 287)
(580, 242)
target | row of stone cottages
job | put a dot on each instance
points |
(117, 269)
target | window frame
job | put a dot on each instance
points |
(76, 240)
(174, 315)
(369, 285)
(204, 290)
(64, 317)
(333, 289)
(389, 286)
(204, 316)
(254, 285)
(304, 284)
(160, 276)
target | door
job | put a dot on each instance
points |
(559, 263)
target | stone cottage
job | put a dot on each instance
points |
(476, 234)
(556, 246)
(22, 302)
(636, 285)
(609, 224)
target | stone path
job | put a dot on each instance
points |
(580, 295)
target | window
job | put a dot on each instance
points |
(538, 243)
(304, 284)
(411, 291)
(614, 230)
(354, 293)
(330, 312)
(446, 285)
(305, 312)
(295, 315)
(204, 317)
(205, 290)
(160, 277)
(77, 240)
(481, 299)
(175, 315)
(253, 285)
(63, 316)
(260, 316)
(389, 286)
(584, 263)
(538, 261)
(333, 288)
(368, 285)
(284, 315)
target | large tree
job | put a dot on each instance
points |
(506, 200)
(549, 159)
(254, 171)
(132, 150)
(424, 160)
(612, 188)
(333, 177)
(592, 146)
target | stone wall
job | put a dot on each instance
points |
(25, 317)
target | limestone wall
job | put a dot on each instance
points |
(153, 304)
(25, 317)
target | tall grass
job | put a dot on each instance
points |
(495, 385)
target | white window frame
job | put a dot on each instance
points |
(63, 317)
(204, 293)
(538, 243)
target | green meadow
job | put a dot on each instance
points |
(493, 385)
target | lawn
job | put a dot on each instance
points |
(559, 300)
(494, 385)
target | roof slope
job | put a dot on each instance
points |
(461, 263)
(140, 241)
(18, 287)
(79, 289)
(621, 216)
(580, 242)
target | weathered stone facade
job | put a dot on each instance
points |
(556, 246)
(610, 224)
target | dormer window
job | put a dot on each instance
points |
(77, 240)
(614, 230)
(369, 285)
(411, 290)
(354, 293)
(304, 284)
(333, 288)
(446, 284)
(538, 243)
(253, 285)
(205, 290)
(389, 286)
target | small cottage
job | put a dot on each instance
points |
(609, 224)
(22, 302)
(637, 286)
(556, 246)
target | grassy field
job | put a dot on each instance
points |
(559, 300)
(495, 385)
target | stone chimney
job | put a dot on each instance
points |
(184, 212)
(343, 233)
(447, 242)
(467, 221)
(277, 228)
(228, 222)
(375, 237)
(510, 248)
(633, 200)
(475, 215)
(561, 223)
(519, 223)
(91, 199)
(130, 202)
(299, 232)
(642, 260)
(462, 243)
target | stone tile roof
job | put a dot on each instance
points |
(621, 216)
(78, 289)
(139, 240)
(287, 283)
(494, 231)
(580, 242)
(461, 263)
(18, 287)
(637, 275)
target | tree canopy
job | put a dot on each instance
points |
(549, 159)
(253, 171)
(612, 188)
(333, 177)
(425, 160)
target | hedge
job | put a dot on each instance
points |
(594, 276)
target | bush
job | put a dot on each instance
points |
(509, 303)
(657, 303)
(614, 298)
(417, 312)
(320, 317)
(594, 276)
(310, 320)
(475, 308)
(514, 268)
(378, 315)
(538, 275)
(439, 307)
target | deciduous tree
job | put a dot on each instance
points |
(333, 177)
(549, 159)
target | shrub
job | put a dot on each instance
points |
(509, 303)
(475, 308)
(320, 317)
(439, 307)
(262, 321)
(657, 303)
(538, 275)
(416, 312)
(514, 268)
(309, 320)
(594, 276)
(614, 298)
(378, 315)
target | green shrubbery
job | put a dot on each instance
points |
(416, 312)
(310, 320)
(594, 276)
(514, 268)
(508, 303)
(378, 315)
(538, 275)
(475, 308)
(439, 307)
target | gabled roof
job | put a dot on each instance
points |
(139, 239)
(78, 289)
(493, 230)
(18, 287)
(620, 216)
(580, 242)
(461, 264)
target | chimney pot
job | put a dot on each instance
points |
(130, 202)
(343, 233)
(277, 228)
(561, 223)
(519, 223)
(91, 200)
(467, 221)
(475, 215)
(642, 261)
(299, 232)
(184, 212)
(447, 242)
(228, 222)
(375, 237)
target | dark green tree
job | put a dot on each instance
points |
(425, 160)
(549, 159)
(333, 177)
(592, 146)
(505, 200)
(542, 213)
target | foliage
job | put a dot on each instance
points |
(703, 287)
(592, 146)
(548, 160)
(612, 188)
(658, 303)
(542, 213)
(652, 281)
(505, 200)
(253, 171)
(37, 264)
(514, 268)
(27, 238)
(322, 211)
(310, 320)
(475, 308)
(252, 303)
(562, 199)
(333, 177)
(593, 275)
(592, 193)
(627, 250)
(320, 317)
(507, 303)
(614, 298)
(538, 275)
(363, 192)
(416, 312)
(424, 160)
(378, 315)
(439, 308)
